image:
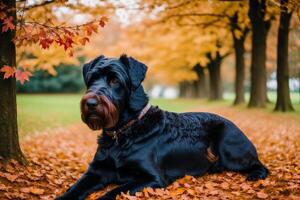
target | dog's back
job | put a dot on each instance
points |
(197, 136)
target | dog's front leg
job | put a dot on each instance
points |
(132, 187)
(88, 183)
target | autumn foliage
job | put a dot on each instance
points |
(48, 33)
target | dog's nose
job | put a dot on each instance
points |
(92, 103)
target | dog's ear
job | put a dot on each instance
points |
(137, 70)
(89, 66)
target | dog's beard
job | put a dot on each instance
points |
(105, 115)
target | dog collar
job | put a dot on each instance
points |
(115, 133)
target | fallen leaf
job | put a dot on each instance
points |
(261, 195)
(37, 191)
(225, 186)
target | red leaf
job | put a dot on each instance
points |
(45, 43)
(8, 23)
(23, 76)
(8, 71)
(68, 43)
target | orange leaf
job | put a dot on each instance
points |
(71, 54)
(103, 21)
(25, 190)
(8, 71)
(37, 191)
(83, 40)
(178, 191)
(8, 23)
(9, 177)
(90, 28)
(23, 76)
(209, 186)
(225, 186)
(261, 195)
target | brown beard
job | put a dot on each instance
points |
(105, 114)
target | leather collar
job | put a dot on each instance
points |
(115, 133)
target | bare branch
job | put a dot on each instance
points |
(37, 5)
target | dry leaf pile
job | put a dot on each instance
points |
(57, 159)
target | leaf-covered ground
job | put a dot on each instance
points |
(57, 159)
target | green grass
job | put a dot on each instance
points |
(42, 112)
(45, 112)
(295, 97)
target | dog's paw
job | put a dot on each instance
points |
(256, 175)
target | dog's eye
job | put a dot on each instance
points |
(113, 81)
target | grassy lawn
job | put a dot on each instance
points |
(42, 112)
(45, 112)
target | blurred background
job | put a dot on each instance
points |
(197, 53)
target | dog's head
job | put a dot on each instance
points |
(114, 91)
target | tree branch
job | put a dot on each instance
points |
(37, 5)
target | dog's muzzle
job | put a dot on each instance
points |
(98, 112)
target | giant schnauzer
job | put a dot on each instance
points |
(144, 146)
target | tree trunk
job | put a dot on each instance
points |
(191, 89)
(260, 28)
(9, 142)
(239, 71)
(201, 82)
(215, 82)
(283, 102)
(239, 49)
(184, 89)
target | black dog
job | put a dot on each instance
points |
(144, 146)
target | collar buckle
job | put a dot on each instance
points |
(115, 135)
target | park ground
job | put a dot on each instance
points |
(59, 147)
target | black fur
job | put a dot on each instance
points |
(162, 146)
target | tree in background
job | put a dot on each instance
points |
(180, 34)
(283, 102)
(239, 27)
(260, 23)
(26, 25)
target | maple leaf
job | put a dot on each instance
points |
(103, 21)
(8, 71)
(45, 43)
(90, 28)
(83, 40)
(68, 43)
(8, 23)
(23, 76)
